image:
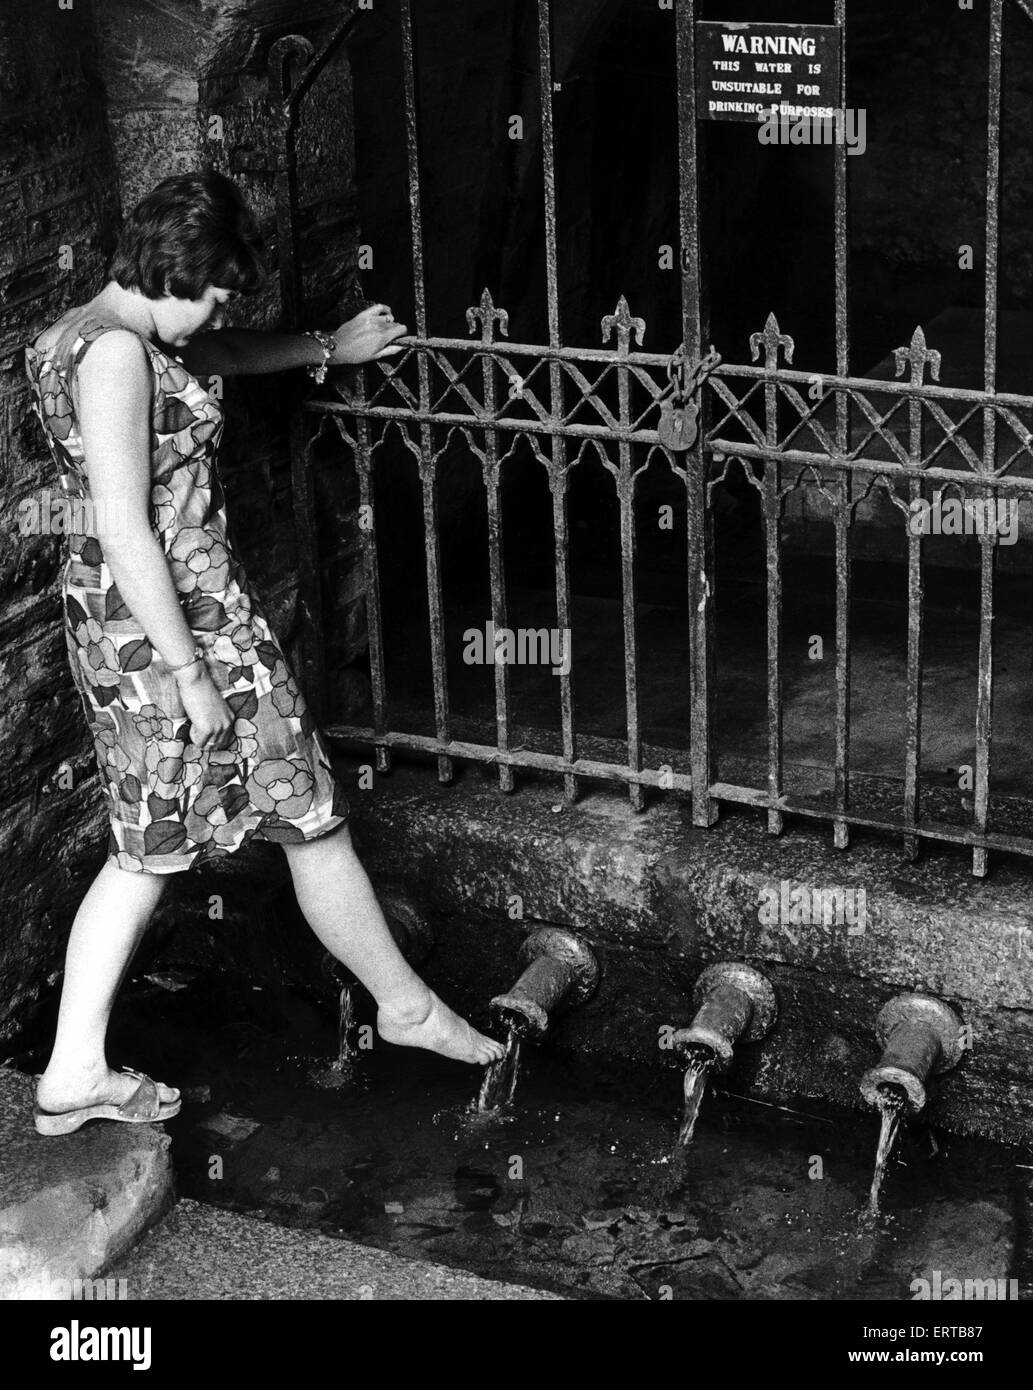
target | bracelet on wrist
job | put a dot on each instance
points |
(317, 371)
(197, 656)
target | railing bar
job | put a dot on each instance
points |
(736, 448)
(890, 468)
(993, 191)
(984, 689)
(516, 757)
(699, 522)
(874, 385)
(435, 601)
(492, 484)
(842, 249)
(688, 181)
(561, 565)
(926, 392)
(841, 789)
(319, 59)
(371, 574)
(558, 451)
(626, 489)
(941, 831)
(966, 479)
(913, 677)
(427, 469)
(548, 167)
(913, 692)
(984, 698)
(413, 160)
(773, 545)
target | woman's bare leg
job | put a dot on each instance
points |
(337, 898)
(106, 932)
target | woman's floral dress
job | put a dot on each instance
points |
(173, 805)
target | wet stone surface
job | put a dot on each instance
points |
(577, 1189)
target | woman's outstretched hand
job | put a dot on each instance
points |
(368, 335)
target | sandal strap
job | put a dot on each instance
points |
(143, 1104)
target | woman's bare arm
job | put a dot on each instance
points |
(251, 352)
(114, 389)
(114, 381)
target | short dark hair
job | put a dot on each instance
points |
(192, 231)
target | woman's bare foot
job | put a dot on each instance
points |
(101, 1086)
(430, 1023)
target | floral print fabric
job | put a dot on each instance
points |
(173, 805)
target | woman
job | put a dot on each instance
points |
(203, 740)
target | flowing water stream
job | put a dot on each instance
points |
(500, 1078)
(892, 1100)
(574, 1182)
(700, 1061)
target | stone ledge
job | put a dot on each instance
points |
(201, 1252)
(70, 1206)
(661, 899)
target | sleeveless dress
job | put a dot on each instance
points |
(173, 805)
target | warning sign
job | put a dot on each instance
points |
(744, 69)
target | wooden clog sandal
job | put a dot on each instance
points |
(141, 1108)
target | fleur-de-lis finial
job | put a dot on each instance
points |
(920, 357)
(489, 316)
(772, 339)
(625, 325)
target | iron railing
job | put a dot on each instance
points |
(851, 436)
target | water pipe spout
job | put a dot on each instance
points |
(413, 933)
(560, 970)
(734, 1003)
(920, 1037)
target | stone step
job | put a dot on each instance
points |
(202, 1252)
(69, 1206)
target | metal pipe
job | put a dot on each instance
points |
(733, 1003)
(920, 1037)
(560, 970)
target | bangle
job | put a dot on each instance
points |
(329, 345)
(198, 655)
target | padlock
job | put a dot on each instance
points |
(677, 427)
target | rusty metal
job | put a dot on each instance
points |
(678, 426)
(560, 971)
(988, 544)
(920, 1036)
(733, 1003)
(707, 417)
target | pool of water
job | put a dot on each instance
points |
(577, 1188)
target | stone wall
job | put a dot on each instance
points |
(59, 209)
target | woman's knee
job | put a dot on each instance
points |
(337, 841)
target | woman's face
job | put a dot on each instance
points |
(177, 320)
